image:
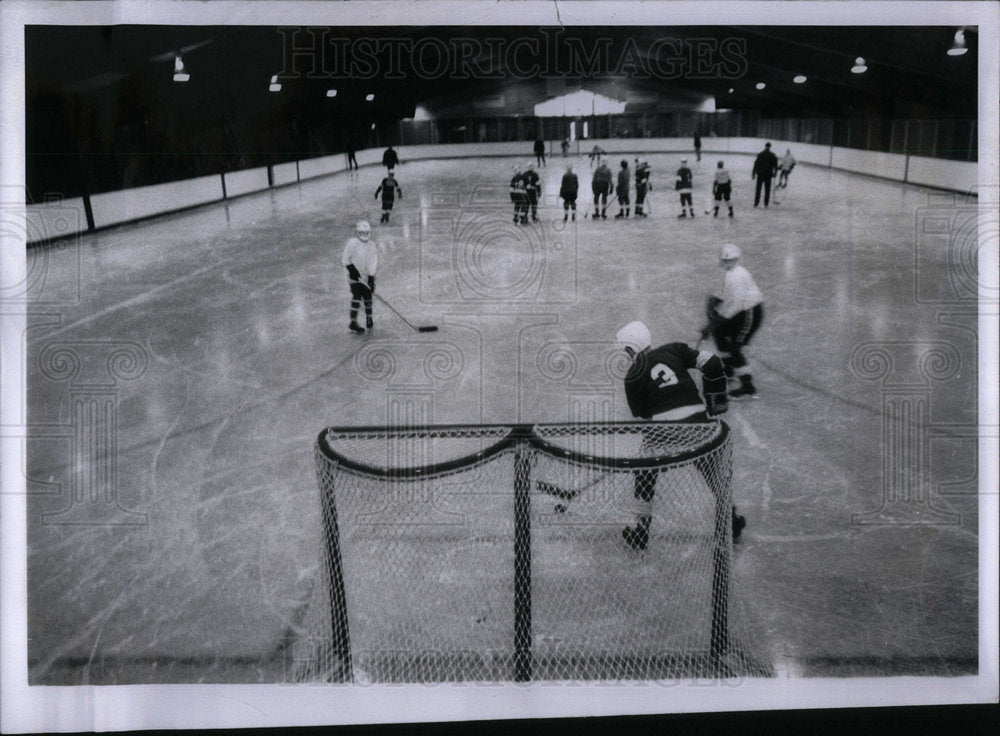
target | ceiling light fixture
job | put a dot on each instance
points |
(179, 74)
(331, 93)
(760, 85)
(369, 97)
(275, 85)
(860, 67)
(799, 78)
(958, 45)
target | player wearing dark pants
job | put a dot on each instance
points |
(360, 258)
(390, 158)
(764, 168)
(568, 189)
(722, 188)
(641, 186)
(519, 196)
(388, 189)
(697, 145)
(595, 155)
(658, 387)
(683, 186)
(540, 152)
(622, 190)
(532, 189)
(601, 185)
(734, 319)
(785, 167)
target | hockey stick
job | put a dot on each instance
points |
(703, 336)
(563, 494)
(423, 328)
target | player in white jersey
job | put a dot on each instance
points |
(785, 166)
(360, 258)
(722, 188)
(734, 317)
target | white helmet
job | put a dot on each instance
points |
(634, 335)
(363, 228)
(730, 252)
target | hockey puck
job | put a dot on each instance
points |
(559, 508)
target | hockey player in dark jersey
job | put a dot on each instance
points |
(641, 186)
(658, 387)
(683, 186)
(540, 151)
(519, 196)
(533, 189)
(388, 189)
(622, 191)
(601, 186)
(568, 189)
(390, 158)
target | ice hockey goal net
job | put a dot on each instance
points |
(495, 553)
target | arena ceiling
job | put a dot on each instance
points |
(909, 74)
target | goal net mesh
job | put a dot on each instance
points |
(495, 553)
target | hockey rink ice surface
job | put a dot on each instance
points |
(215, 342)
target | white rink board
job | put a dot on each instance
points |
(285, 173)
(244, 182)
(873, 163)
(54, 219)
(112, 208)
(962, 176)
(312, 167)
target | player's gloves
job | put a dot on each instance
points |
(371, 284)
(716, 404)
(711, 304)
(352, 271)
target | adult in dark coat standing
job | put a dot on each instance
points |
(764, 169)
(540, 152)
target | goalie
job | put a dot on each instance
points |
(659, 388)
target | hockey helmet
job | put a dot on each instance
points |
(634, 335)
(730, 252)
